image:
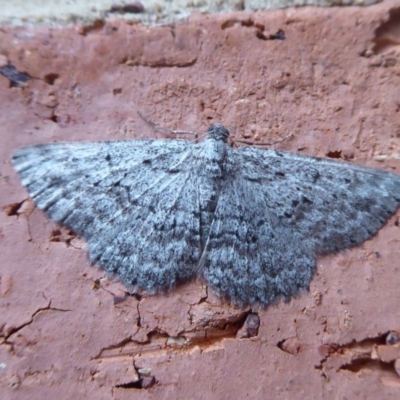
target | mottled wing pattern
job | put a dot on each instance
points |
(278, 210)
(332, 205)
(144, 208)
(135, 202)
(249, 255)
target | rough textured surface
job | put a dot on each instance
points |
(68, 331)
(149, 11)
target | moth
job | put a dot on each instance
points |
(250, 221)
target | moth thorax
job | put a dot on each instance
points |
(218, 132)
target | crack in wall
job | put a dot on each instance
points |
(25, 208)
(203, 334)
(259, 29)
(139, 378)
(143, 380)
(378, 354)
(65, 235)
(13, 330)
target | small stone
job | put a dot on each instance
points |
(393, 337)
(250, 327)
(148, 382)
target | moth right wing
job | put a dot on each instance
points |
(333, 205)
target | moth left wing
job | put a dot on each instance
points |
(135, 202)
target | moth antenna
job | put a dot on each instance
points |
(168, 130)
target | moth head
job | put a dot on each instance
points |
(218, 132)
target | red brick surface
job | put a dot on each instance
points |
(68, 332)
